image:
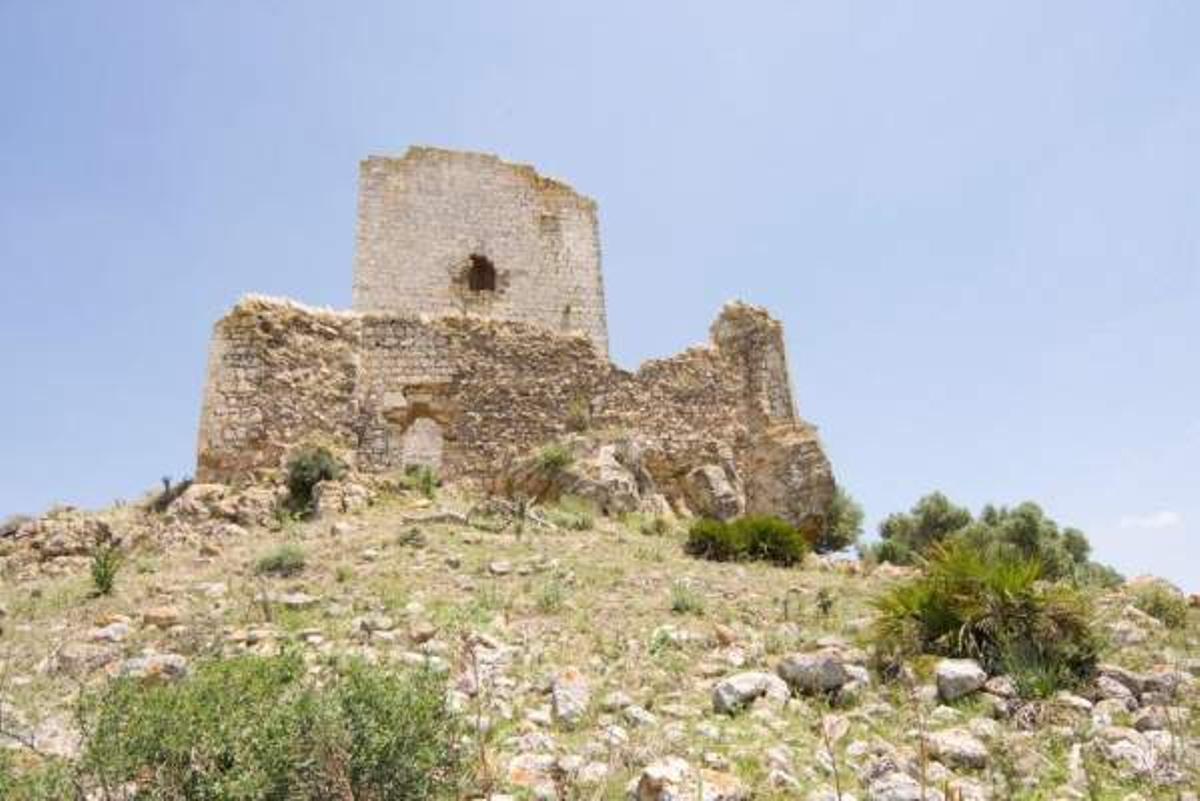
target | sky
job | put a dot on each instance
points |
(979, 223)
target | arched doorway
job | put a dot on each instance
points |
(421, 444)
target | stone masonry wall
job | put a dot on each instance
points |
(471, 395)
(422, 217)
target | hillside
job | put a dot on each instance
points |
(589, 657)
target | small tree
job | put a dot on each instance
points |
(843, 526)
(931, 520)
(309, 467)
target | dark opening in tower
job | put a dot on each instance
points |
(481, 276)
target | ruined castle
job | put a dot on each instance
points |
(478, 335)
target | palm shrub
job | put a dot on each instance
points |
(995, 608)
(264, 728)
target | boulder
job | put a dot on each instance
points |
(715, 491)
(816, 672)
(79, 658)
(570, 696)
(740, 690)
(898, 786)
(958, 748)
(161, 617)
(959, 677)
(155, 668)
(673, 779)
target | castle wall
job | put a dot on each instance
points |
(472, 395)
(423, 216)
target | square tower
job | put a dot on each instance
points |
(446, 233)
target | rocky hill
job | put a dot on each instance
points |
(589, 656)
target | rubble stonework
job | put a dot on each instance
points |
(472, 394)
(422, 219)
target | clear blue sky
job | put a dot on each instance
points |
(979, 222)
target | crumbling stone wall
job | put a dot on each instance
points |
(423, 218)
(471, 395)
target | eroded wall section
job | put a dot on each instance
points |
(470, 395)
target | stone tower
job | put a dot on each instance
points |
(446, 233)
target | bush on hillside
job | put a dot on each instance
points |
(170, 492)
(421, 478)
(554, 458)
(931, 520)
(843, 526)
(307, 468)
(285, 561)
(752, 538)
(106, 563)
(995, 608)
(1023, 531)
(1165, 604)
(261, 727)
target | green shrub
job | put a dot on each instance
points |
(286, 560)
(551, 596)
(554, 458)
(106, 563)
(421, 478)
(307, 468)
(657, 526)
(995, 608)
(770, 539)
(715, 540)
(262, 727)
(890, 551)
(1163, 603)
(579, 415)
(931, 520)
(843, 525)
(572, 513)
(41, 781)
(757, 538)
(1023, 531)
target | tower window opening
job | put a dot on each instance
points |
(481, 276)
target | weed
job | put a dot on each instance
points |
(554, 458)
(550, 597)
(657, 526)
(106, 563)
(286, 560)
(824, 601)
(572, 513)
(685, 600)
(423, 479)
